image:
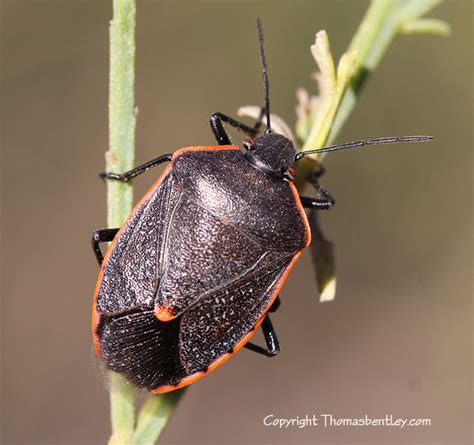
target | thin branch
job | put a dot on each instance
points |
(154, 416)
(119, 158)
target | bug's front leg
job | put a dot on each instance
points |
(101, 236)
(127, 176)
(218, 120)
(271, 340)
(325, 200)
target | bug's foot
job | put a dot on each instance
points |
(114, 176)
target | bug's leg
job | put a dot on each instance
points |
(127, 176)
(101, 236)
(275, 305)
(217, 122)
(309, 202)
(271, 340)
(324, 201)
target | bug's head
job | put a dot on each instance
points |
(273, 154)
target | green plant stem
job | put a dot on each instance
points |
(156, 410)
(383, 20)
(364, 39)
(122, 410)
(119, 158)
(154, 416)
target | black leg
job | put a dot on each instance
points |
(125, 177)
(271, 340)
(218, 120)
(275, 305)
(325, 201)
(316, 203)
(101, 236)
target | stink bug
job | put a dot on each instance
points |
(199, 264)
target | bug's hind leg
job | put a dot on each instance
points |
(127, 176)
(271, 340)
(218, 120)
(101, 236)
(325, 200)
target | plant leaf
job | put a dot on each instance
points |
(324, 264)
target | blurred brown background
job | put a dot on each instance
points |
(397, 340)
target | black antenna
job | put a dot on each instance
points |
(266, 100)
(356, 144)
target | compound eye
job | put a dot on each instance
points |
(249, 143)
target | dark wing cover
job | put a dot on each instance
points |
(204, 254)
(132, 271)
(142, 348)
(224, 317)
(152, 354)
(132, 340)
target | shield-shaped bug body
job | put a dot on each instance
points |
(199, 264)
